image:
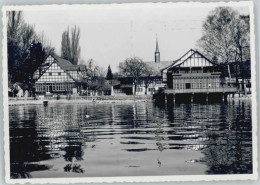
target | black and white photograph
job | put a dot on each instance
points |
(131, 92)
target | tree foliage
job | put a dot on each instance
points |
(26, 48)
(92, 69)
(135, 68)
(70, 49)
(226, 37)
(95, 76)
(109, 75)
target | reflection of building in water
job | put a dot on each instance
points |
(222, 133)
(192, 125)
(63, 130)
(144, 130)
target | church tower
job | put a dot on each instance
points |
(157, 52)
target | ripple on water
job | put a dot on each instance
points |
(212, 138)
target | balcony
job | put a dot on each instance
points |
(206, 90)
(190, 75)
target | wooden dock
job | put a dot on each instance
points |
(189, 95)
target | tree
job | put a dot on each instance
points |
(35, 58)
(242, 44)
(65, 45)
(14, 23)
(135, 68)
(14, 26)
(218, 34)
(148, 77)
(75, 48)
(109, 73)
(22, 43)
(226, 36)
(92, 69)
(41, 38)
(70, 49)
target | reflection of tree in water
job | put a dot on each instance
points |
(229, 149)
(73, 168)
(159, 119)
(221, 131)
(26, 149)
(73, 152)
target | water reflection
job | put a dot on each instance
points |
(25, 146)
(76, 144)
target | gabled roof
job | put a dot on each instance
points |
(187, 55)
(180, 60)
(81, 67)
(67, 65)
(184, 57)
(64, 64)
(158, 66)
(172, 64)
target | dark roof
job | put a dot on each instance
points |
(172, 64)
(67, 65)
(81, 67)
(158, 66)
(62, 62)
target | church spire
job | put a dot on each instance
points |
(157, 46)
(157, 52)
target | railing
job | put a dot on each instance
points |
(208, 90)
(196, 74)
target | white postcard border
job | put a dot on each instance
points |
(253, 176)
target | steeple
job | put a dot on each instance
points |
(157, 46)
(157, 52)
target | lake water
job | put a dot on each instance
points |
(137, 139)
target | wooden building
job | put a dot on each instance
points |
(192, 75)
(146, 86)
(59, 76)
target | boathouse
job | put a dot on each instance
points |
(59, 76)
(195, 76)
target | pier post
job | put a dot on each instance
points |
(165, 98)
(191, 99)
(223, 97)
(173, 98)
(207, 97)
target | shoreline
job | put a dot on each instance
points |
(88, 100)
(96, 100)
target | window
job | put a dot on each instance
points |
(50, 74)
(59, 73)
(150, 89)
(188, 86)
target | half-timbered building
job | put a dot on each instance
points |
(194, 74)
(57, 75)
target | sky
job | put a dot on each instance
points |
(111, 33)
